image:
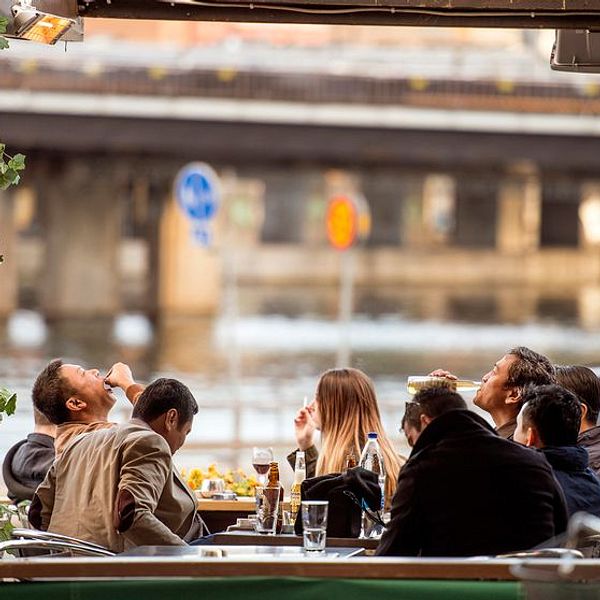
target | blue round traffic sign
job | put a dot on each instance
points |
(197, 191)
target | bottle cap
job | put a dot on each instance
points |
(372, 435)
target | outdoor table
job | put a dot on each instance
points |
(248, 551)
(249, 578)
(177, 574)
(242, 538)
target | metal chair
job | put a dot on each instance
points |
(28, 548)
(28, 541)
(545, 553)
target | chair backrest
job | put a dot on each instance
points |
(47, 536)
(42, 547)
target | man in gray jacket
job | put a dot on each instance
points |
(117, 487)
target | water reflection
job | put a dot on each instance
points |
(132, 330)
(250, 374)
(26, 329)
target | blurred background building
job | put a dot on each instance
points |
(479, 164)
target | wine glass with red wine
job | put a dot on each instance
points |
(261, 460)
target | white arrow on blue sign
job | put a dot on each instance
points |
(197, 190)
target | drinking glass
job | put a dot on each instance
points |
(267, 508)
(261, 459)
(314, 524)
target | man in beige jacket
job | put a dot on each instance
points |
(117, 487)
(78, 400)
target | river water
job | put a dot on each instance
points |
(251, 366)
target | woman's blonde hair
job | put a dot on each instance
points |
(348, 410)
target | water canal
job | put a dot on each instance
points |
(250, 367)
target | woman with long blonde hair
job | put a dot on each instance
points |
(344, 410)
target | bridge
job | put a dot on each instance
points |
(491, 138)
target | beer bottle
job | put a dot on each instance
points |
(273, 493)
(416, 383)
(350, 462)
(276, 489)
(299, 477)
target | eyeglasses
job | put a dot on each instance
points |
(412, 412)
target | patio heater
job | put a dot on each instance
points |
(42, 21)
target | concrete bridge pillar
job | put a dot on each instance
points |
(519, 209)
(8, 269)
(189, 275)
(81, 214)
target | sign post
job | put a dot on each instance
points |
(198, 192)
(348, 222)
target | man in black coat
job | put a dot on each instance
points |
(465, 491)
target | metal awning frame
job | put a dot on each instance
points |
(522, 14)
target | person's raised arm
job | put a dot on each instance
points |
(120, 376)
(304, 428)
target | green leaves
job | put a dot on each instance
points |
(6, 526)
(3, 40)
(8, 402)
(10, 167)
(12, 516)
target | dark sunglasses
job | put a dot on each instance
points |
(412, 410)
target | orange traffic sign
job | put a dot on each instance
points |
(341, 222)
(348, 220)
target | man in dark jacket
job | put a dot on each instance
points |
(549, 421)
(584, 383)
(27, 462)
(465, 491)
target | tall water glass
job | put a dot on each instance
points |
(314, 524)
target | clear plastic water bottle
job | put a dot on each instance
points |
(372, 460)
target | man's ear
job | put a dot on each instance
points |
(425, 420)
(171, 419)
(584, 411)
(532, 438)
(513, 396)
(74, 404)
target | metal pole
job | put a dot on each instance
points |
(230, 314)
(345, 307)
